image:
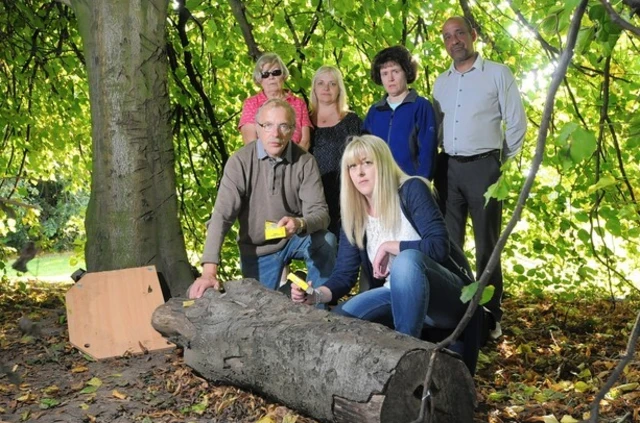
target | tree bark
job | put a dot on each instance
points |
(132, 217)
(330, 367)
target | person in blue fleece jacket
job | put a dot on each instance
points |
(402, 118)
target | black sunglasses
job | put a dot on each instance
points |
(266, 74)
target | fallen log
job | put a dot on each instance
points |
(332, 368)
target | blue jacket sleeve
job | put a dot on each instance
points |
(421, 209)
(427, 138)
(345, 273)
(367, 125)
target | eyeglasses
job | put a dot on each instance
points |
(284, 128)
(266, 74)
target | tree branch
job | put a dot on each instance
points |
(558, 76)
(466, 10)
(617, 19)
(548, 47)
(237, 8)
(626, 358)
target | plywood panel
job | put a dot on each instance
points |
(109, 313)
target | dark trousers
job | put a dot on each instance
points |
(460, 187)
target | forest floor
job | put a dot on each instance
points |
(547, 367)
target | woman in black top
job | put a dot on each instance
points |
(334, 123)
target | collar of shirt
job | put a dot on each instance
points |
(410, 98)
(262, 97)
(262, 153)
(478, 64)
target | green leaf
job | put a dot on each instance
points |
(584, 236)
(585, 37)
(581, 386)
(583, 145)
(48, 403)
(613, 226)
(566, 131)
(94, 381)
(603, 182)
(499, 190)
(487, 294)
(468, 292)
(597, 12)
(201, 407)
(497, 396)
(89, 390)
(581, 216)
(570, 5)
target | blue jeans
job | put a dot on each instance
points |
(421, 291)
(318, 250)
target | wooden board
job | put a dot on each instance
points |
(109, 313)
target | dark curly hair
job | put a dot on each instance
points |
(399, 55)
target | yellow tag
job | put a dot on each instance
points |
(301, 284)
(188, 303)
(273, 231)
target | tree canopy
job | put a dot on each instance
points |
(579, 230)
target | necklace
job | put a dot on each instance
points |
(328, 119)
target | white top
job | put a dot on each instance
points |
(475, 104)
(377, 235)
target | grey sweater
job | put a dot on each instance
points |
(254, 191)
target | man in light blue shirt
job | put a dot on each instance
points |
(483, 123)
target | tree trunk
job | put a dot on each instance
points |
(132, 217)
(329, 367)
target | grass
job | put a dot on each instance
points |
(56, 266)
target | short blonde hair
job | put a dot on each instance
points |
(343, 108)
(268, 59)
(386, 201)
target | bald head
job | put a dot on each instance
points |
(462, 20)
(458, 37)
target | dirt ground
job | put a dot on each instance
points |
(548, 364)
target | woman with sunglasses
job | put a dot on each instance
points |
(334, 123)
(270, 73)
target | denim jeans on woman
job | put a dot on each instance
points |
(420, 290)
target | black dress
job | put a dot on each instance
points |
(327, 145)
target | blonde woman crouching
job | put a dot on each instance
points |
(392, 225)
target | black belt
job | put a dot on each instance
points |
(466, 159)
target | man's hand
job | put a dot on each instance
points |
(201, 284)
(291, 225)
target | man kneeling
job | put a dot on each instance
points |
(270, 180)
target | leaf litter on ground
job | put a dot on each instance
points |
(547, 367)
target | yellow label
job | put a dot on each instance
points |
(188, 303)
(273, 231)
(301, 284)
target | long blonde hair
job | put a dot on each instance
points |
(385, 199)
(343, 108)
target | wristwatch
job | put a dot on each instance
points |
(302, 225)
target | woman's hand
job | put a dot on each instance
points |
(381, 260)
(297, 294)
(320, 295)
